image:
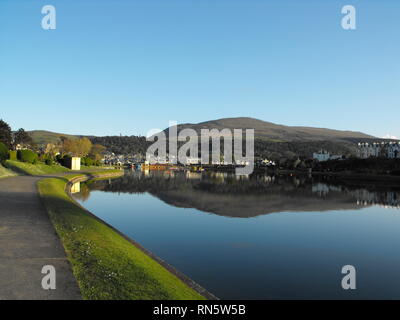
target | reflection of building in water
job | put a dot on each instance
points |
(242, 177)
(323, 188)
(168, 173)
(193, 175)
(362, 196)
(267, 179)
(387, 198)
(76, 187)
(296, 181)
(220, 176)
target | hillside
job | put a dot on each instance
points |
(116, 144)
(43, 137)
(279, 141)
(278, 133)
(264, 130)
(272, 140)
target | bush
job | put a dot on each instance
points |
(86, 161)
(47, 159)
(64, 161)
(27, 156)
(3, 152)
(13, 155)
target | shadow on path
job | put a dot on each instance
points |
(28, 242)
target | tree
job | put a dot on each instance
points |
(68, 146)
(290, 155)
(51, 149)
(84, 147)
(275, 156)
(61, 145)
(296, 163)
(5, 134)
(22, 137)
(123, 144)
(96, 152)
(3, 152)
(77, 147)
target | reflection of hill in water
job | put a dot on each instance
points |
(254, 205)
(227, 195)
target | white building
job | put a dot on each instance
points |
(267, 162)
(393, 150)
(324, 155)
(367, 150)
(378, 149)
(335, 157)
(241, 162)
(75, 163)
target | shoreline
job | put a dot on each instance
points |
(188, 281)
(68, 181)
(341, 175)
(349, 177)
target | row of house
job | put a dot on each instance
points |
(366, 150)
(389, 150)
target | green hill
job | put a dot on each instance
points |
(278, 133)
(44, 137)
(270, 138)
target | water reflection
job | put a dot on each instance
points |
(321, 225)
(226, 194)
(76, 187)
(83, 193)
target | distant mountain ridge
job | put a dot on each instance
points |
(270, 139)
(263, 130)
(44, 137)
(275, 132)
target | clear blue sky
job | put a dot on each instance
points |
(126, 67)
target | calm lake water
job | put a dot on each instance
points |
(259, 237)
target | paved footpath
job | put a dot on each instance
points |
(28, 241)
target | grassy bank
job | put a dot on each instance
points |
(105, 264)
(4, 172)
(34, 169)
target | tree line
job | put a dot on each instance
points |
(91, 153)
(123, 144)
(10, 139)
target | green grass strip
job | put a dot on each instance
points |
(4, 172)
(34, 169)
(105, 264)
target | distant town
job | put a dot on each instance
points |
(327, 151)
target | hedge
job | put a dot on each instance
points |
(27, 156)
(86, 161)
(3, 152)
(64, 161)
(13, 155)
